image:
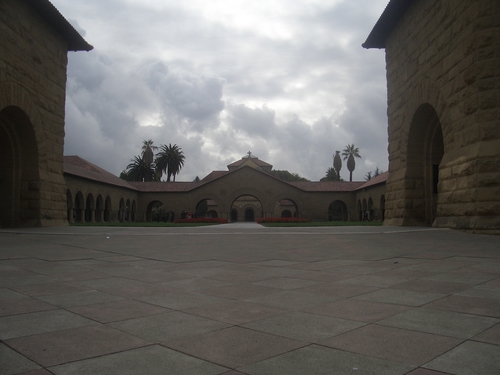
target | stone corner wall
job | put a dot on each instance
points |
(33, 60)
(446, 54)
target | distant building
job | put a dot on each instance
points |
(443, 83)
(247, 191)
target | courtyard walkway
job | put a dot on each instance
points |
(244, 299)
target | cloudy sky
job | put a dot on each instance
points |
(286, 80)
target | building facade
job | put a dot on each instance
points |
(34, 43)
(443, 83)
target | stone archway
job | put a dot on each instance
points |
(424, 153)
(246, 208)
(19, 163)
(337, 211)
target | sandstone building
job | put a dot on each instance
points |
(34, 42)
(245, 192)
(443, 81)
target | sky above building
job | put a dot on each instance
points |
(286, 80)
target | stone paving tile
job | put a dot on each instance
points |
(240, 291)
(148, 360)
(446, 323)
(23, 306)
(32, 279)
(13, 363)
(286, 283)
(48, 289)
(373, 280)
(393, 344)
(319, 360)
(40, 322)
(424, 371)
(195, 283)
(303, 326)
(468, 305)
(465, 278)
(338, 290)
(401, 297)
(90, 297)
(469, 358)
(9, 294)
(292, 300)
(181, 300)
(327, 277)
(429, 286)
(234, 347)
(37, 372)
(54, 348)
(481, 292)
(491, 335)
(117, 311)
(169, 326)
(235, 312)
(358, 310)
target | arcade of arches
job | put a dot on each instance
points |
(243, 193)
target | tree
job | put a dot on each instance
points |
(169, 160)
(349, 153)
(368, 176)
(138, 170)
(147, 151)
(337, 163)
(331, 175)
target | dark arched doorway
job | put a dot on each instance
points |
(337, 211)
(425, 151)
(246, 208)
(20, 180)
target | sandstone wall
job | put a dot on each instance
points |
(447, 54)
(33, 59)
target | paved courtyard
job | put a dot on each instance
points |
(244, 299)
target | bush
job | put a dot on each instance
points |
(281, 220)
(201, 220)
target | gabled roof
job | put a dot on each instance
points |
(327, 186)
(381, 178)
(55, 19)
(214, 175)
(165, 187)
(386, 23)
(76, 166)
(246, 159)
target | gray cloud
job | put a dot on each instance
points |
(291, 84)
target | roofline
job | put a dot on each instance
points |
(386, 23)
(50, 13)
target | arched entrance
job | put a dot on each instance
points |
(157, 212)
(424, 154)
(99, 209)
(20, 180)
(207, 208)
(246, 208)
(382, 207)
(107, 209)
(337, 211)
(78, 211)
(285, 208)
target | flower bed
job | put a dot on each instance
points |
(282, 220)
(201, 220)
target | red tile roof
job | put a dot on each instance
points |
(381, 178)
(76, 166)
(327, 186)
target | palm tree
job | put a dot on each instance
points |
(139, 170)
(349, 153)
(331, 175)
(169, 160)
(368, 176)
(337, 163)
(147, 151)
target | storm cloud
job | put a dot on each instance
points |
(288, 81)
